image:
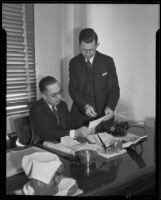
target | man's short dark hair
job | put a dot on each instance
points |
(48, 80)
(87, 35)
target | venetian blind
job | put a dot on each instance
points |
(18, 22)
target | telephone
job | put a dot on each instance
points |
(119, 129)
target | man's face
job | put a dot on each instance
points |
(52, 95)
(88, 50)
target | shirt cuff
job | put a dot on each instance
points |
(72, 133)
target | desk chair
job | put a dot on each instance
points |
(24, 131)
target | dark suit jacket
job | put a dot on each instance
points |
(44, 122)
(106, 86)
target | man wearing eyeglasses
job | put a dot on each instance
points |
(49, 116)
(93, 82)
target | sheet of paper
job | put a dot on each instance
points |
(60, 147)
(107, 156)
(68, 141)
(94, 123)
(134, 141)
(106, 138)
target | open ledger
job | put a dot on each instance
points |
(128, 140)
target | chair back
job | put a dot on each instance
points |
(23, 129)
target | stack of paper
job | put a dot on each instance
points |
(60, 147)
(70, 146)
(68, 141)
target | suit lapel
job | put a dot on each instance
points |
(61, 115)
(48, 111)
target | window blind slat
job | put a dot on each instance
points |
(21, 79)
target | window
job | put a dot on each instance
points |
(18, 22)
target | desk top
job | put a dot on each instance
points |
(128, 174)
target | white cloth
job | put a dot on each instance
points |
(41, 166)
(66, 187)
(14, 159)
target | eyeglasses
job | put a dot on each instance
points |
(87, 51)
(55, 95)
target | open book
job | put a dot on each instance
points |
(128, 140)
(132, 139)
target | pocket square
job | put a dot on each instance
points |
(104, 74)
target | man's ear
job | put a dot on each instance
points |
(97, 44)
(43, 96)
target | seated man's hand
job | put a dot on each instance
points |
(89, 111)
(83, 132)
(108, 113)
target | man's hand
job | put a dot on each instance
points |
(84, 132)
(90, 112)
(108, 113)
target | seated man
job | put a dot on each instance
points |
(49, 116)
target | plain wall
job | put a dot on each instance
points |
(48, 51)
(126, 32)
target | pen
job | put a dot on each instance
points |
(104, 146)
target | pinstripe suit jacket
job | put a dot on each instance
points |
(106, 86)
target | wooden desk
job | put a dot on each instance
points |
(129, 174)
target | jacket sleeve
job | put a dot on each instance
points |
(113, 87)
(43, 127)
(74, 88)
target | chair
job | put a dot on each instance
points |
(24, 131)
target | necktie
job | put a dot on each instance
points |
(89, 64)
(54, 109)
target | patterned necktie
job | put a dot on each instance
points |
(54, 109)
(89, 64)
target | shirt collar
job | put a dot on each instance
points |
(50, 106)
(91, 60)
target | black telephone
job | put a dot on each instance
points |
(119, 129)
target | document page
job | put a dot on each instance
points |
(94, 123)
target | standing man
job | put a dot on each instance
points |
(93, 83)
(49, 116)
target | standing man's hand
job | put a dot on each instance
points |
(82, 132)
(108, 113)
(89, 111)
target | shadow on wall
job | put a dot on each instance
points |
(76, 40)
(124, 111)
(80, 22)
(151, 131)
(39, 77)
(64, 71)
